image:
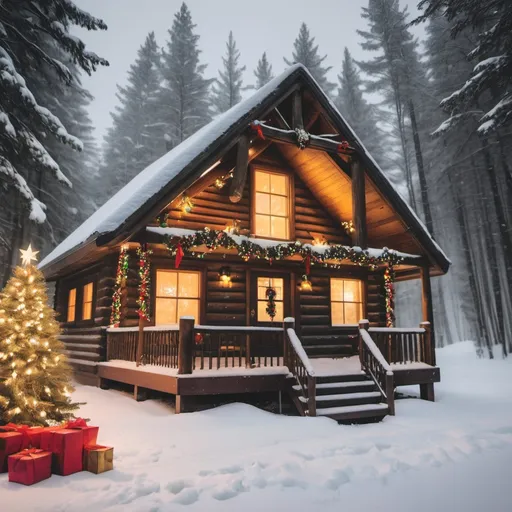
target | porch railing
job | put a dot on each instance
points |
(401, 346)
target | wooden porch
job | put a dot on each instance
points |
(195, 360)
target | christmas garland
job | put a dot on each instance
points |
(247, 250)
(270, 294)
(121, 273)
(143, 254)
(389, 278)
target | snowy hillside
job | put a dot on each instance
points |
(450, 455)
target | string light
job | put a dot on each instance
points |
(348, 226)
(143, 254)
(186, 204)
(389, 278)
(121, 275)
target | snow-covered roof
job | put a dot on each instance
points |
(147, 185)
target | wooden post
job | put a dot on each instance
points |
(139, 394)
(363, 325)
(390, 393)
(248, 351)
(186, 346)
(428, 349)
(360, 235)
(289, 323)
(428, 310)
(311, 396)
(240, 172)
(427, 392)
(140, 342)
(297, 119)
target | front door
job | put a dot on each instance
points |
(263, 285)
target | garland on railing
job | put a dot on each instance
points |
(389, 278)
(247, 250)
(143, 254)
(121, 273)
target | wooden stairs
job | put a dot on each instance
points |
(347, 398)
(340, 342)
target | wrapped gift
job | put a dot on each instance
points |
(10, 442)
(31, 435)
(30, 466)
(90, 433)
(98, 459)
(66, 446)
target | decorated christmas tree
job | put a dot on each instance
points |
(35, 378)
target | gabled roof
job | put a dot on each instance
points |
(119, 215)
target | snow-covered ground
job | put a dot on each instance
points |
(452, 455)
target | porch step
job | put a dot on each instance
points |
(79, 354)
(338, 388)
(83, 347)
(348, 377)
(328, 350)
(355, 412)
(348, 399)
(82, 365)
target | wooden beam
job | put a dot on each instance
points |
(240, 174)
(186, 346)
(427, 306)
(360, 235)
(297, 120)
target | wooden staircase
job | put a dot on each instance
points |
(347, 398)
(340, 342)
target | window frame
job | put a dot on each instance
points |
(91, 302)
(361, 302)
(291, 200)
(68, 305)
(79, 284)
(184, 270)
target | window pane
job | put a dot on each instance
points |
(352, 291)
(188, 284)
(279, 227)
(337, 313)
(262, 225)
(72, 297)
(336, 289)
(262, 203)
(352, 313)
(262, 181)
(279, 184)
(262, 313)
(188, 307)
(279, 206)
(277, 284)
(88, 292)
(166, 284)
(165, 311)
(263, 284)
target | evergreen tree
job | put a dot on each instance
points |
(263, 72)
(26, 125)
(37, 386)
(306, 52)
(183, 101)
(227, 89)
(362, 117)
(398, 73)
(135, 139)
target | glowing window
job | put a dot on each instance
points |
(87, 302)
(177, 295)
(263, 284)
(72, 305)
(346, 301)
(272, 205)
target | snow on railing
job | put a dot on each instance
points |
(377, 354)
(299, 350)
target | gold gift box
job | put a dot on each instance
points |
(98, 459)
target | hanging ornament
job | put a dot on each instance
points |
(143, 254)
(121, 274)
(344, 147)
(389, 288)
(256, 127)
(305, 284)
(302, 137)
(233, 228)
(179, 255)
(270, 295)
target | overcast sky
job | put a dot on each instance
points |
(258, 26)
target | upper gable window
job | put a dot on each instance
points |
(271, 205)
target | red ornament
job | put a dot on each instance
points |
(198, 338)
(343, 147)
(256, 127)
(179, 255)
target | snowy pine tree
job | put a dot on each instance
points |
(183, 101)
(263, 72)
(227, 88)
(135, 139)
(306, 52)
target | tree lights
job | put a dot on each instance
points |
(121, 274)
(389, 289)
(143, 253)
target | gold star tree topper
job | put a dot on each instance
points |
(28, 255)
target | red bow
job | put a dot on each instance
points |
(257, 128)
(343, 147)
(28, 452)
(21, 429)
(77, 423)
(179, 255)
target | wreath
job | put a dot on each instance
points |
(270, 294)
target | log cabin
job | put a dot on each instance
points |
(258, 255)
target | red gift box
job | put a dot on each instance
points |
(66, 446)
(10, 442)
(90, 433)
(31, 435)
(30, 466)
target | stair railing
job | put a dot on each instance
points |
(297, 361)
(376, 366)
